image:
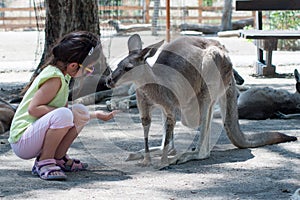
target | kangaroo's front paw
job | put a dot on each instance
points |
(135, 156)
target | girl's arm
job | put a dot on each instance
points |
(39, 104)
(105, 116)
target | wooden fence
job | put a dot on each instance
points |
(26, 19)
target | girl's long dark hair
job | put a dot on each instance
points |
(73, 47)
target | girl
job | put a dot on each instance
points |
(43, 126)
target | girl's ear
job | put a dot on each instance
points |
(73, 69)
(73, 65)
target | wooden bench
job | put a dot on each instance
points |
(266, 40)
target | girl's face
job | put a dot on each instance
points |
(72, 69)
(86, 71)
(78, 70)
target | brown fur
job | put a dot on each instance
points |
(191, 74)
(6, 115)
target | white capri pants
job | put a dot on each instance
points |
(30, 144)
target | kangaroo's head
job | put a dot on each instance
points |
(137, 56)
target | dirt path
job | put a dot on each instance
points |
(270, 172)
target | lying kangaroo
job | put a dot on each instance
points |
(191, 74)
(7, 112)
(263, 103)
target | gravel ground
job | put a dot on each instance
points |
(269, 172)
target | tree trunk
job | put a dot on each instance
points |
(64, 16)
(227, 15)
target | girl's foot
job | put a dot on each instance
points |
(48, 170)
(71, 165)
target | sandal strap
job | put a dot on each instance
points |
(76, 165)
(44, 168)
(66, 158)
(43, 163)
(48, 169)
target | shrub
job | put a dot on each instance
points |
(285, 20)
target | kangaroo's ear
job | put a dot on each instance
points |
(238, 79)
(298, 87)
(150, 50)
(297, 76)
(135, 43)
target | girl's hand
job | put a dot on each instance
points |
(105, 116)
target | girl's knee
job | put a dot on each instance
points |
(62, 117)
(66, 113)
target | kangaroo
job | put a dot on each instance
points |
(263, 103)
(7, 112)
(191, 74)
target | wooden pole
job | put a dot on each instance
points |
(147, 11)
(168, 20)
(200, 5)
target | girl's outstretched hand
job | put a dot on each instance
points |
(105, 116)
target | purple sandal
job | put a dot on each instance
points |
(45, 168)
(75, 166)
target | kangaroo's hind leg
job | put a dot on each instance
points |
(202, 150)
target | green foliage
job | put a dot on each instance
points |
(207, 2)
(286, 20)
(248, 27)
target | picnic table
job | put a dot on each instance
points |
(266, 40)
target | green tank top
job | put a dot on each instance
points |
(22, 119)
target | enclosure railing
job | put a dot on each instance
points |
(26, 19)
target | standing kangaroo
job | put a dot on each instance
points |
(265, 102)
(191, 74)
